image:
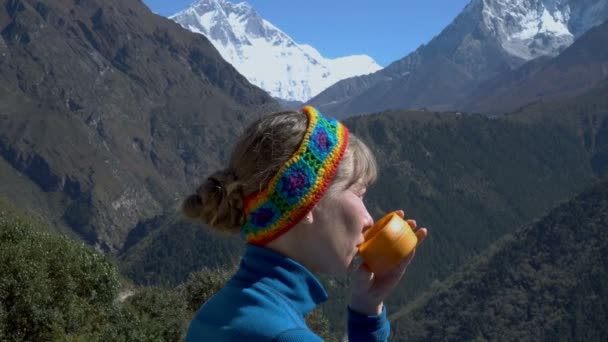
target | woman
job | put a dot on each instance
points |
(294, 189)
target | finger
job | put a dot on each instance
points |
(421, 234)
(398, 271)
(412, 224)
(405, 262)
(409, 258)
(400, 213)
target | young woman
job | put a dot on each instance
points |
(294, 189)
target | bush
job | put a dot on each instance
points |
(160, 314)
(55, 289)
(202, 285)
(51, 287)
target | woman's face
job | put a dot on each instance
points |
(339, 220)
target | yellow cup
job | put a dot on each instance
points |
(388, 242)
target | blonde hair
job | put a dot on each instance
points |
(258, 155)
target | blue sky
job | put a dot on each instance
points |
(386, 30)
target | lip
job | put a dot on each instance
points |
(361, 241)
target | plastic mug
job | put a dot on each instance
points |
(387, 243)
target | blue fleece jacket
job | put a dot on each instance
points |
(267, 300)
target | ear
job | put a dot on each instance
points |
(308, 219)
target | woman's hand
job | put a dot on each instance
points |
(368, 290)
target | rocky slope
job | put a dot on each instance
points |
(109, 113)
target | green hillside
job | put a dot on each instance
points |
(545, 282)
(168, 255)
(469, 178)
(108, 111)
(53, 288)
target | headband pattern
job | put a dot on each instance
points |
(300, 183)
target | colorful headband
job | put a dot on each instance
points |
(299, 184)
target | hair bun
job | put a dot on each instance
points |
(218, 201)
(193, 206)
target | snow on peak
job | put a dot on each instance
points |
(543, 23)
(529, 28)
(264, 54)
(533, 28)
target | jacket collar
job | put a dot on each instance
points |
(284, 275)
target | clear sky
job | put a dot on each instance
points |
(386, 30)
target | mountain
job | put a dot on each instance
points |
(487, 38)
(110, 114)
(544, 282)
(264, 54)
(576, 70)
(469, 178)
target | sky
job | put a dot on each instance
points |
(386, 30)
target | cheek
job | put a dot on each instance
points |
(356, 218)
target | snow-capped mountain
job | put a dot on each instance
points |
(264, 54)
(533, 28)
(488, 38)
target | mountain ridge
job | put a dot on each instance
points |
(106, 109)
(467, 52)
(579, 68)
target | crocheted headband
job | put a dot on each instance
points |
(299, 184)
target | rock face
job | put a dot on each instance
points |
(267, 56)
(110, 114)
(489, 37)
